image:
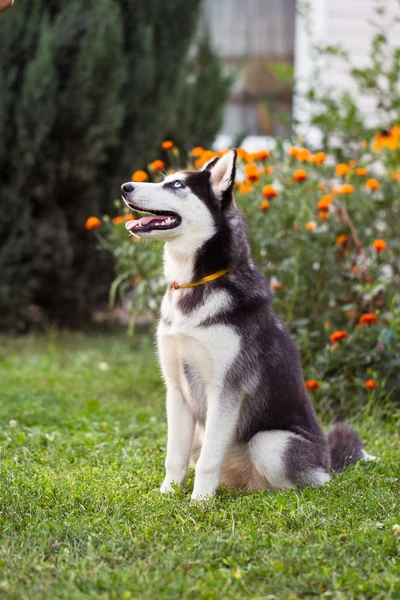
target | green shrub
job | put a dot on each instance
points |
(86, 89)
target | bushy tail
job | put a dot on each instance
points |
(345, 447)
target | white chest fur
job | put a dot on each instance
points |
(194, 355)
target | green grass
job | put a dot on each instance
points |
(82, 452)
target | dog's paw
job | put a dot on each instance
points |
(167, 487)
(202, 496)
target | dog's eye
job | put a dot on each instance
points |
(177, 184)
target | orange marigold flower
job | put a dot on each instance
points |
(312, 384)
(293, 151)
(342, 169)
(379, 245)
(207, 155)
(265, 205)
(275, 285)
(387, 138)
(361, 172)
(92, 223)
(368, 319)
(121, 219)
(323, 215)
(157, 165)
(352, 164)
(338, 336)
(370, 384)
(300, 175)
(136, 280)
(251, 171)
(167, 145)
(325, 202)
(319, 158)
(139, 176)
(261, 155)
(303, 155)
(346, 188)
(269, 170)
(395, 176)
(245, 188)
(322, 187)
(197, 151)
(341, 239)
(311, 226)
(372, 184)
(242, 153)
(269, 191)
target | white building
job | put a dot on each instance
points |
(254, 35)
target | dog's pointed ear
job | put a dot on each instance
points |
(209, 164)
(222, 175)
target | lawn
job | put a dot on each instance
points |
(82, 443)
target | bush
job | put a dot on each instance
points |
(85, 86)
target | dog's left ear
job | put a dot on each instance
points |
(222, 176)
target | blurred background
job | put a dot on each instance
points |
(90, 89)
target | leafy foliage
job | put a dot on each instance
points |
(86, 86)
(337, 115)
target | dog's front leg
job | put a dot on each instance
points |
(221, 422)
(181, 424)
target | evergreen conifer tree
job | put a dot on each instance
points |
(88, 91)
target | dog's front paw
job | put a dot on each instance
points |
(166, 487)
(202, 495)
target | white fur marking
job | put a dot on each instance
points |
(319, 477)
(267, 450)
(366, 456)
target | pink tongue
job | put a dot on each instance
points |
(130, 224)
(147, 220)
(143, 221)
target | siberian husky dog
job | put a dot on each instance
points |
(236, 399)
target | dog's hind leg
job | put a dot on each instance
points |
(282, 459)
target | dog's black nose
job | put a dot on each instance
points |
(127, 188)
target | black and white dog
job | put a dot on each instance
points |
(236, 399)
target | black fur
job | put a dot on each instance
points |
(345, 446)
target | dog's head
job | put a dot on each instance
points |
(188, 203)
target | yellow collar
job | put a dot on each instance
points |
(176, 286)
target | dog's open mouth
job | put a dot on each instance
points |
(157, 220)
